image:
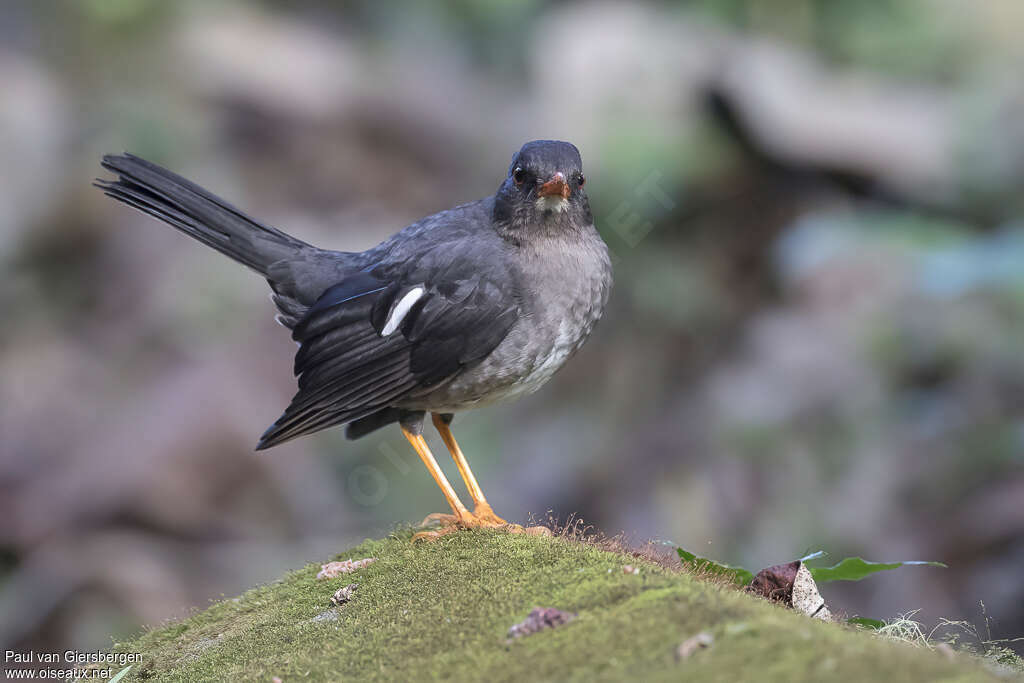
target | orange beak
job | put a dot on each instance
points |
(556, 187)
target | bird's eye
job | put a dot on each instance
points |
(519, 175)
(582, 179)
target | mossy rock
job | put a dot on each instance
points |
(442, 610)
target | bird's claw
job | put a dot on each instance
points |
(482, 517)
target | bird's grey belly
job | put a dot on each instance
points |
(570, 298)
(520, 365)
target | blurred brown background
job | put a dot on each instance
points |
(814, 341)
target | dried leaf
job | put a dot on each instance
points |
(792, 585)
(806, 597)
(344, 594)
(333, 570)
(776, 582)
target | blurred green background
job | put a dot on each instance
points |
(814, 341)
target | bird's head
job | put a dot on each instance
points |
(543, 190)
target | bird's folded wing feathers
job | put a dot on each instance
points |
(383, 334)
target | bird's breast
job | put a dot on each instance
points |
(564, 288)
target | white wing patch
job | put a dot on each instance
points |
(400, 310)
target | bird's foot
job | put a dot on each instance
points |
(482, 517)
(484, 513)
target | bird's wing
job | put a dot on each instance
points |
(391, 331)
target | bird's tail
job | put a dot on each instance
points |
(197, 213)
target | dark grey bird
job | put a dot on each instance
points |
(477, 304)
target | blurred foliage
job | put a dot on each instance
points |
(904, 38)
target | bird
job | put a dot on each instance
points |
(471, 306)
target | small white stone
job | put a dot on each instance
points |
(806, 597)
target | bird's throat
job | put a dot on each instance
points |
(552, 203)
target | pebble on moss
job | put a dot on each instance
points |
(539, 619)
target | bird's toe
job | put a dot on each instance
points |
(443, 518)
(433, 535)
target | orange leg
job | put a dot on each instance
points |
(460, 515)
(481, 509)
(420, 444)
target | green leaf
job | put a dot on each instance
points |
(866, 622)
(855, 569)
(120, 674)
(737, 575)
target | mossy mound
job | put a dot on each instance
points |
(442, 610)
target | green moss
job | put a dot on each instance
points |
(442, 610)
